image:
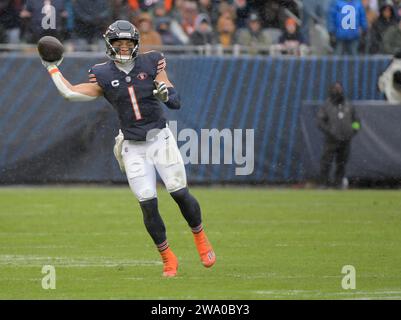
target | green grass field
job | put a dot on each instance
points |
(270, 244)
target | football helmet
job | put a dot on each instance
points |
(121, 30)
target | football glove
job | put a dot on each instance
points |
(118, 148)
(161, 91)
(47, 64)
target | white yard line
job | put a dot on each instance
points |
(316, 294)
(65, 262)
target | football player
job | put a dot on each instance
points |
(137, 86)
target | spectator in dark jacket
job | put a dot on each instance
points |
(91, 18)
(163, 28)
(160, 13)
(203, 33)
(386, 20)
(275, 12)
(291, 41)
(338, 121)
(10, 20)
(291, 33)
(243, 10)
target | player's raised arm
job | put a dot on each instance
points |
(51, 53)
(79, 92)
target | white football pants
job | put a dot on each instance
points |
(143, 158)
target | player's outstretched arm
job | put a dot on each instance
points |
(165, 91)
(80, 92)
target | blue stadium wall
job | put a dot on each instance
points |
(44, 138)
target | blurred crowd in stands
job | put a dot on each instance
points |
(262, 26)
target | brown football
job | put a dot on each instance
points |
(50, 49)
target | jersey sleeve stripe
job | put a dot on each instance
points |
(161, 67)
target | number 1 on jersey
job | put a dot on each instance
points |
(134, 102)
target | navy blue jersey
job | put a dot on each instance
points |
(132, 95)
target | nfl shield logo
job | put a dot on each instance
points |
(128, 79)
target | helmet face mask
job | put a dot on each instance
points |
(115, 52)
(121, 30)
